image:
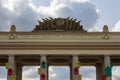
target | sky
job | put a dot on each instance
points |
(94, 14)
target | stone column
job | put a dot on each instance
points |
(12, 66)
(103, 67)
(75, 59)
(47, 72)
(107, 64)
(98, 71)
(44, 67)
(70, 66)
(19, 71)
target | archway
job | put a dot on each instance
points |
(30, 73)
(88, 72)
(3, 73)
(59, 73)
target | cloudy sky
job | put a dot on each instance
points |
(93, 14)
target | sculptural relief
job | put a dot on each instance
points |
(59, 24)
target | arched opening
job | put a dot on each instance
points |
(59, 73)
(3, 73)
(30, 73)
(88, 72)
(116, 73)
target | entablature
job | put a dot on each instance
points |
(60, 40)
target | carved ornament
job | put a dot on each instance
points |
(58, 24)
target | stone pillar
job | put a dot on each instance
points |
(70, 66)
(103, 67)
(44, 67)
(19, 71)
(47, 72)
(98, 71)
(12, 66)
(107, 64)
(75, 59)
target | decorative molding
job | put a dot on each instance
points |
(106, 36)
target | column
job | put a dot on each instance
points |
(47, 71)
(74, 68)
(107, 67)
(103, 68)
(43, 65)
(19, 71)
(70, 66)
(98, 71)
(11, 67)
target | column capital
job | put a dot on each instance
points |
(43, 54)
(107, 55)
(75, 55)
(11, 55)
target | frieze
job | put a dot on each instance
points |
(64, 36)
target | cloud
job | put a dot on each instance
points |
(17, 12)
(116, 72)
(80, 9)
(3, 73)
(59, 73)
(24, 13)
(51, 72)
(116, 28)
(30, 73)
(88, 72)
(63, 73)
